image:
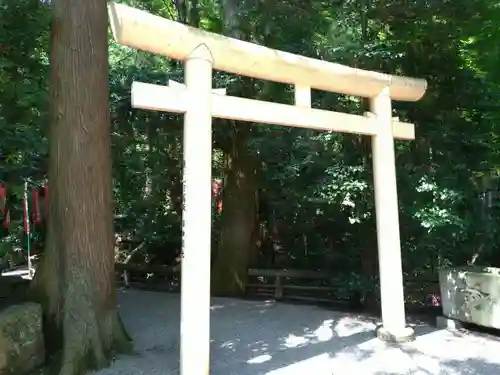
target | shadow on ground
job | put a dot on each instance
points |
(265, 338)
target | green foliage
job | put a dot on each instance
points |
(316, 189)
(24, 67)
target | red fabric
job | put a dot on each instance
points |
(3, 198)
(216, 192)
(36, 206)
(46, 199)
(215, 188)
(6, 220)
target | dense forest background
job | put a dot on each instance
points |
(291, 198)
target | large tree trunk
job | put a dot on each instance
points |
(75, 280)
(237, 243)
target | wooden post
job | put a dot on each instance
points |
(386, 205)
(303, 96)
(197, 215)
(27, 228)
(278, 288)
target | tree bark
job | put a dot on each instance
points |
(75, 281)
(237, 241)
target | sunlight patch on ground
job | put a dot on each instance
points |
(267, 338)
(318, 365)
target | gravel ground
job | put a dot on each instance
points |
(266, 338)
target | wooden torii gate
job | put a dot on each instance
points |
(202, 52)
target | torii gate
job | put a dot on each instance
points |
(203, 52)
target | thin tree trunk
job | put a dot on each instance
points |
(194, 13)
(75, 282)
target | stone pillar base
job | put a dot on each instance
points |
(442, 322)
(405, 335)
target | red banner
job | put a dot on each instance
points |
(217, 194)
(46, 199)
(6, 220)
(25, 215)
(36, 206)
(3, 198)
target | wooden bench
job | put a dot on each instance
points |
(301, 285)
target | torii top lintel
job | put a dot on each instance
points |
(144, 31)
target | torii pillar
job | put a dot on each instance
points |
(197, 214)
(394, 328)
